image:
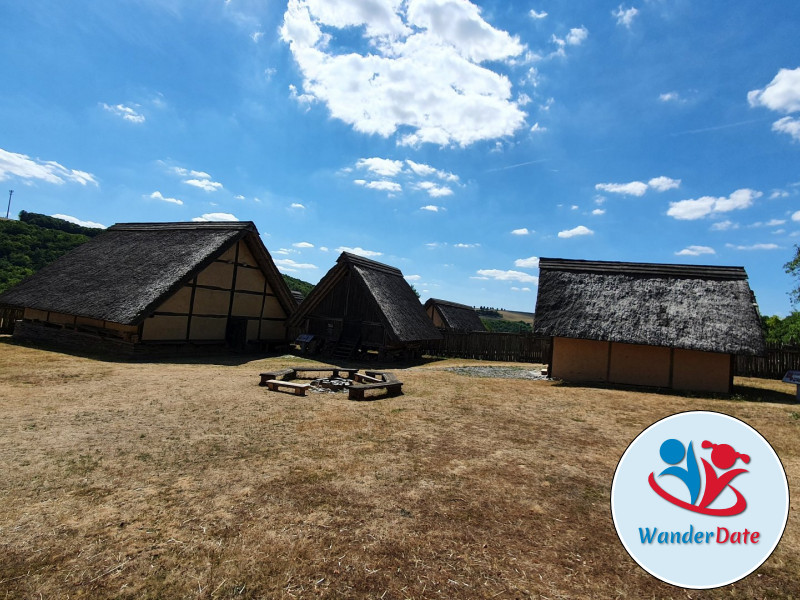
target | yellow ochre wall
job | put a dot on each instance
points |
(634, 364)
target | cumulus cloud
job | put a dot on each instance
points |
(527, 263)
(693, 209)
(382, 185)
(598, 211)
(413, 277)
(796, 216)
(159, 196)
(537, 15)
(415, 175)
(500, 275)
(297, 205)
(662, 184)
(77, 221)
(25, 167)
(204, 184)
(521, 231)
(126, 113)
(634, 188)
(695, 251)
(380, 166)
(424, 170)
(724, 225)
(670, 97)
(359, 251)
(782, 95)
(789, 126)
(625, 16)
(216, 217)
(576, 231)
(463, 245)
(434, 190)
(576, 36)
(303, 245)
(423, 74)
(431, 208)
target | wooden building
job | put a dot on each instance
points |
(451, 316)
(147, 286)
(364, 305)
(662, 325)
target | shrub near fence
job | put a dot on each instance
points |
(510, 347)
(773, 365)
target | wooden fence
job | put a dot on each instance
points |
(511, 347)
(773, 365)
(7, 318)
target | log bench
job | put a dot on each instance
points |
(274, 375)
(299, 389)
(389, 383)
(364, 378)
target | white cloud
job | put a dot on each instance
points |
(424, 170)
(670, 97)
(724, 225)
(159, 196)
(625, 16)
(537, 15)
(423, 71)
(289, 264)
(240, 197)
(522, 231)
(359, 251)
(413, 277)
(782, 94)
(431, 208)
(434, 191)
(518, 289)
(297, 205)
(124, 112)
(754, 247)
(527, 263)
(690, 210)
(383, 185)
(303, 245)
(381, 166)
(462, 245)
(204, 184)
(662, 184)
(788, 125)
(598, 211)
(577, 35)
(256, 35)
(634, 188)
(79, 221)
(25, 167)
(216, 217)
(579, 230)
(500, 275)
(796, 216)
(695, 251)
(536, 128)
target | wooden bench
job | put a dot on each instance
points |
(385, 381)
(334, 371)
(364, 378)
(299, 389)
(282, 374)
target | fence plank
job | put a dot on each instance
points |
(773, 365)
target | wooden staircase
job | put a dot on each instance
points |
(345, 348)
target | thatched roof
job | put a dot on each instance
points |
(703, 308)
(400, 310)
(457, 317)
(124, 273)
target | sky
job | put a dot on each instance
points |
(457, 141)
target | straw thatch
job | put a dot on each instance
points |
(376, 292)
(456, 317)
(704, 308)
(124, 273)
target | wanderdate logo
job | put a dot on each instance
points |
(699, 499)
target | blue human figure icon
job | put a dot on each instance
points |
(672, 453)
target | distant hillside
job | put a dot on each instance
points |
(511, 315)
(505, 326)
(37, 240)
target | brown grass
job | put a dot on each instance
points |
(156, 480)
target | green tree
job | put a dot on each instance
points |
(793, 268)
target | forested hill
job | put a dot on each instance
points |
(37, 240)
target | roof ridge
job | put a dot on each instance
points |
(641, 268)
(183, 225)
(360, 261)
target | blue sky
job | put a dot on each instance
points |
(458, 141)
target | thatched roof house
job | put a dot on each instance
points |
(157, 284)
(663, 325)
(363, 304)
(451, 316)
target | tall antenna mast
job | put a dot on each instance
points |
(8, 210)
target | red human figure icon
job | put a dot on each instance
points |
(724, 457)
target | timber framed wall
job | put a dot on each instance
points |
(634, 364)
(231, 292)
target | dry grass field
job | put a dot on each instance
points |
(187, 480)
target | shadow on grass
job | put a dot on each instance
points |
(739, 393)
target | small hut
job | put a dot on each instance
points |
(158, 286)
(364, 305)
(451, 316)
(663, 325)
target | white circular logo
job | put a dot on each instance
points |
(699, 499)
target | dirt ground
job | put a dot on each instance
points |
(188, 480)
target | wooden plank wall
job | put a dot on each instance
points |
(511, 347)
